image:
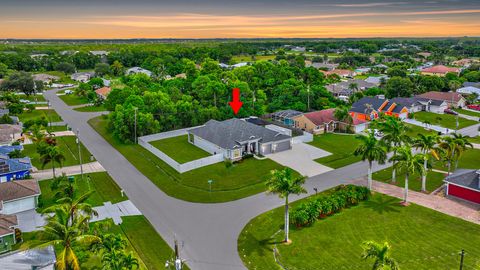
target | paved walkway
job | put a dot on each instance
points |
(421, 124)
(54, 124)
(71, 170)
(302, 159)
(476, 145)
(42, 108)
(31, 220)
(452, 207)
(63, 133)
(469, 117)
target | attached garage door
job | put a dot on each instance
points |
(265, 149)
(282, 146)
(19, 206)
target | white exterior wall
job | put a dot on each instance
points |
(438, 109)
(281, 130)
(360, 128)
(208, 146)
(17, 206)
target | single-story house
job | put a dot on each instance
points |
(82, 76)
(327, 66)
(466, 62)
(235, 138)
(455, 100)
(342, 73)
(14, 168)
(9, 133)
(376, 80)
(38, 259)
(318, 122)
(432, 105)
(469, 90)
(344, 88)
(439, 71)
(424, 54)
(137, 70)
(464, 184)
(8, 223)
(285, 117)
(362, 70)
(103, 92)
(369, 108)
(45, 78)
(99, 53)
(7, 149)
(18, 196)
(38, 55)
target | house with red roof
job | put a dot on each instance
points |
(342, 73)
(452, 99)
(324, 121)
(439, 70)
(103, 92)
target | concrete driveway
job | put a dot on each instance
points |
(302, 159)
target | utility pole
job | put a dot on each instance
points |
(135, 124)
(80, 155)
(176, 261)
(462, 254)
(308, 97)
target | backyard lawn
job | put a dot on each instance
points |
(72, 99)
(414, 130)
(421, 238)
(470, 159)
(106, 190)
(434, 179)
(50, 115)
(68, 147)
(99, 108)
(443, 120)
(341, 147)
(239, 181)
(39, 97)
(467, 112)
(180, 149)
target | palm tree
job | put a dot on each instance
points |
(410, 163)
(64, 237)
(353, 87)
(428, 145)
(394, 135)
(372, 150)
(63, 187)
(283, 183)
(453, 147)
(52, 155)
(342, 114)
(463, 142)
(74, 206)
(381, 255)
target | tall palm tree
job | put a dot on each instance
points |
(64, 237)
(394, 135)
(428, 145)
(52, 155)
(453, 147)
(63, 187)
(410, 163)
(283, 183)
(381, 254)
(74, 206)
(372, 150)
(463, 143)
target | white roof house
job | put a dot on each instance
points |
(100, 53)
(136, 70)
(469, 90)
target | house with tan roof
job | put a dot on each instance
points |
(318, 122)
(466, 62)
(18, 196)
(439, 70)
(103, 92)
(8, 224)
(342, 73)
(452, 99)
(45, 78)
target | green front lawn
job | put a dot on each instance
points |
(414, 130)
(106, 190)
(72, 99)
(39, 97)
(99, 108)
(434, 179)
(443, 120)
(239, 181)
(50, 115)
(466, 112)
(179, 149)
(475, 140)
(470, 159)
(69, 148)
(56, 128)
(341, 147)
(421, 238)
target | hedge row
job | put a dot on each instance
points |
(343, 196)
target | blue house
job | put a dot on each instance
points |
(13, 168)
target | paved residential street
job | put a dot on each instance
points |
(208, 232)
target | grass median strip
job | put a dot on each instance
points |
(341, 146)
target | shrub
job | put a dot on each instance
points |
(343, 196)
(228, 163)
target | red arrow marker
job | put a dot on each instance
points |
(236, 104)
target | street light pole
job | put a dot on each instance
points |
(80, 155)
(462, 254)
(135, 124)
(308, 97)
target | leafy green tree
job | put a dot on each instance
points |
(6, 119)
(96, 83)
(16, 154)
(117, 68)
(3, 70)
(283, 183)
(399, 87)
(409, 163)
(102, 69)
(65, 67)
(381, 255)
(428, 145)
(19, 81)
(370, 149)
(397, 72)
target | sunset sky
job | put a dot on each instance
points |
(237, 19)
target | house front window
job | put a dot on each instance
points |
(237, 153)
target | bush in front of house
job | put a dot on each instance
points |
(343, 197)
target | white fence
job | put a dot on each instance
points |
(305, 138)
(181, 168)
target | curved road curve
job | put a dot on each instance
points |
(208, 232)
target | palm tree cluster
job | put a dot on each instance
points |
(409, 155)
(380, 253)
(47, 148)
(68, 230)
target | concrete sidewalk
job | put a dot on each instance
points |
(63, 133)
(434, 127)
(72, 170)
(464, 210)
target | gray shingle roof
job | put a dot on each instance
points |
(227, 134)
(465, 178)
(361, 105)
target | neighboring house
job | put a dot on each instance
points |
(285, 117)
(106, 82)
(464, 184)
(103, 92)
(225, 66)
(8, 223)
(14, 168)
(453, 99)
(4, 111)
(7, 149)
(235, 138)
(137, 70)
(432, 105)
(318, 122)
(424, 54)
(298, 49)
(31, 259)
(181, 76)
(439, 71)
(473, 84)
(82, 76)
(99, 53)
(358, 125)
(45, 78)
(376, 80)
(38, 55)
(343, 88)
(327, 66)
(361, 71)
(342, 73)
(469, 90)
(466, 62)
(369, 108)
(18, 196)
(9, 133)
